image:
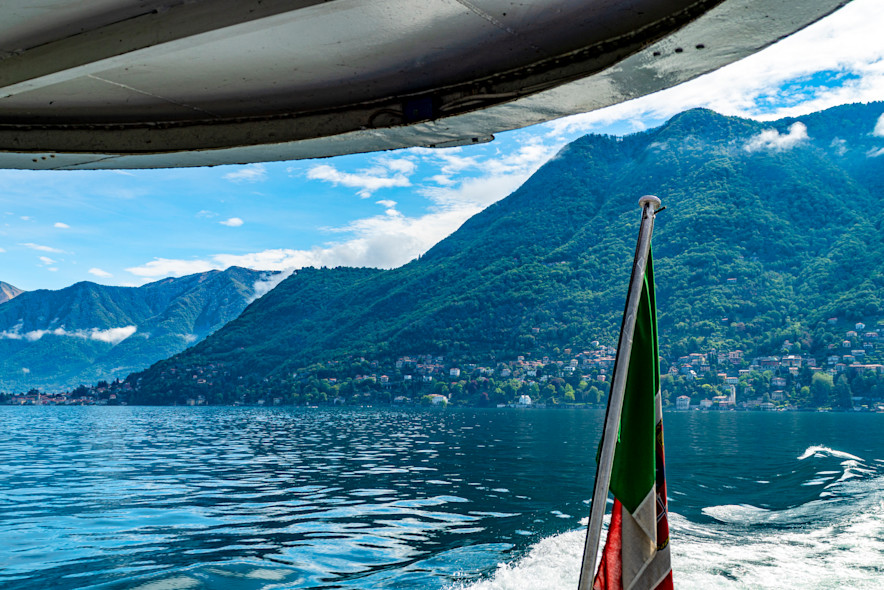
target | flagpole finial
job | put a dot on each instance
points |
(654, 201)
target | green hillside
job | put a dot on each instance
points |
(760, 243)
(55, 340)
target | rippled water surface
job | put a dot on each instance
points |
(241, 498)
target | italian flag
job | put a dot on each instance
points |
(636, 554)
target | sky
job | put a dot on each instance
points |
(132, 227)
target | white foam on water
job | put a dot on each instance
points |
(818, 481)
(739, 513)
(550, 564)
(273, 575)
(844, 553)
(816, 546)
(851, 466)
(821, 451)
(852, 470)
(173, 583)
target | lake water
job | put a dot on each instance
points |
(247, 498)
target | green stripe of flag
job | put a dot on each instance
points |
(633, 474)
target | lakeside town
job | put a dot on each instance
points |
(849, 377)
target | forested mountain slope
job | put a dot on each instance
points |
(54, 340)
(770, 228)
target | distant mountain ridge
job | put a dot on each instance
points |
(767, 233)
(8, 292)
(55, 340)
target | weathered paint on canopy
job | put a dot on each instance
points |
(161, 83)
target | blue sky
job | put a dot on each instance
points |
(132, 227)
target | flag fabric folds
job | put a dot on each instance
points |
(636, 553)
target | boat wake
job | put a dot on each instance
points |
(820, 451)
(835, 540)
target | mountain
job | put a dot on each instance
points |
(8, 292)
(770, 229)
(55, 340)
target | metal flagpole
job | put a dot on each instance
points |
(611, 428)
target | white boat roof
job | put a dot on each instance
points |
(166, 83)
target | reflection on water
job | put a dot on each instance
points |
(163, 498)
(301, 497)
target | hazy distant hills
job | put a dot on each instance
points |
(8, 292)
(769, 229)
(55, 340)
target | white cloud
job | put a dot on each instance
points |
(404, 165)
(52, 269)
(392, 238)
(46, 260)
(206, 214)
(451, 160)
(25, 370)
(100, 273)
(499, 176)
(190, 338)
(268, 282)
(879, 127)
(771, 139)
(111, 335)
(41, 248)
(250, 173)
(384, 241)
(232, 222)
(839, 145)
(472, 195)
(386, 173)
(61, 225)
(25, 218)
(165, 267)
(2, 250)
(530, 156)
(875, 153)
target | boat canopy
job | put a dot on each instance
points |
(166, 83)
